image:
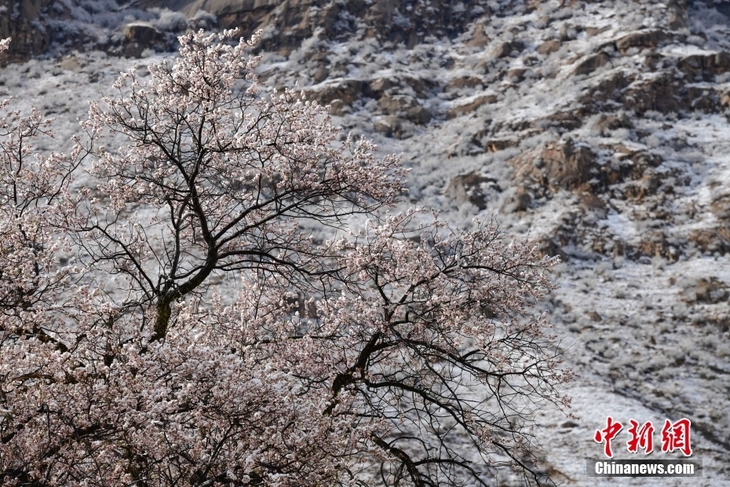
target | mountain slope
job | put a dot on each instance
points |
(598, 129)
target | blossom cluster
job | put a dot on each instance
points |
(175, 321)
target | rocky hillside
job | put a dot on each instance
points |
(598, 129)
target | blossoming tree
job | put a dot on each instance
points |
(204, 336)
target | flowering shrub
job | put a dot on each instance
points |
(403, 354)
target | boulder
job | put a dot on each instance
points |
(405, 106)
(510, 48)
(632, 166)
(462, 82)
(386, 125)
(392, 126)
(394, 105)
(704, 67)
(320, 74)
(591, 63)
(711, 240)
(657, 94)
(594, 31)
(594, 316)
(471, 106)
(706, 290)
(568, 119)
(516, 75)
(347, 90)
(678, 15)
(608, 122)
(720, 205)
(376, 87)
(420, 85)
(609, 89)
(551, 247)
(496, 145)
(478, 38)
(549, 47)
(653, 244)
(647, 185)
(418, 115)
(338, 108)
(567, 165)
(724, 100)
(700, 98)
(559, 165)
(518, 202)
(470, 187)
(142, 33)
(592, 204)
(69, 63)
(645, 39)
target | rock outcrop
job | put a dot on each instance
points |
(20, 20)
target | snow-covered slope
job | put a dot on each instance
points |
(598, 129)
